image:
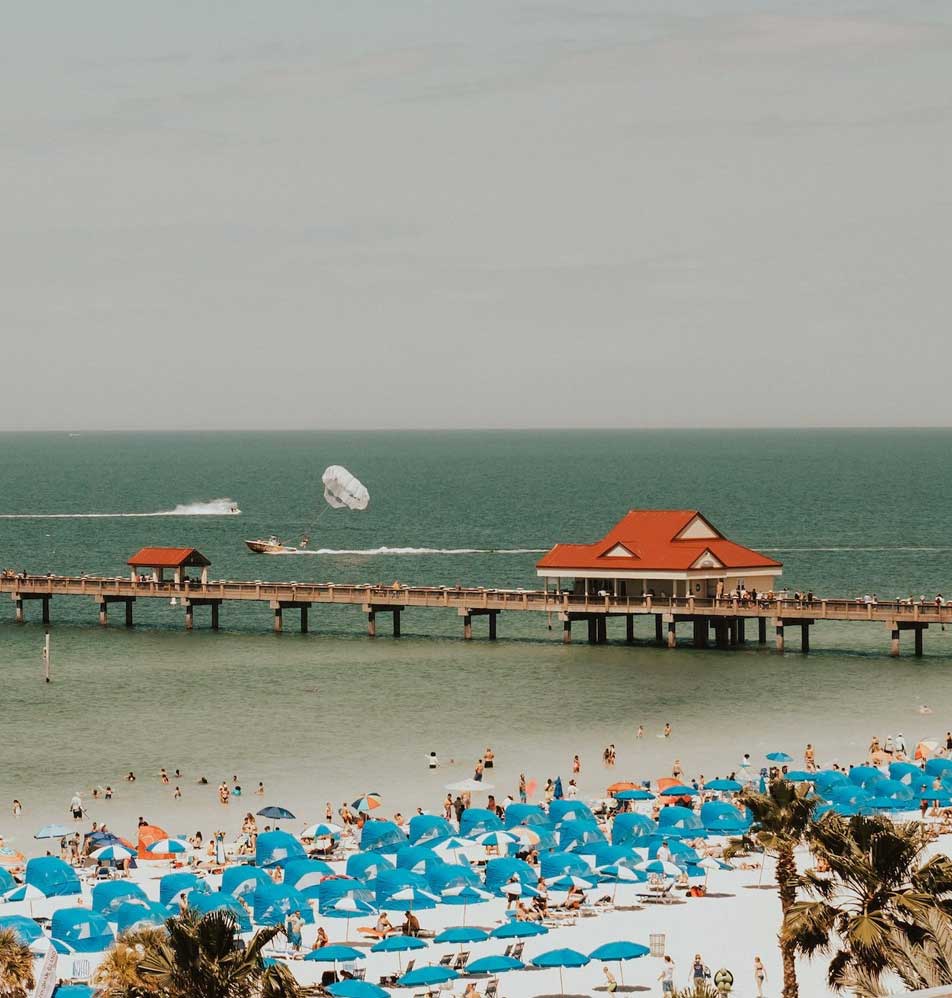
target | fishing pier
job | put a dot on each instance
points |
(720, 621)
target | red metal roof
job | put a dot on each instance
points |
(648, 539)
(168, 558)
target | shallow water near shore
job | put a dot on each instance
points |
(331, 714)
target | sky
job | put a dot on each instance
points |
(509, 213)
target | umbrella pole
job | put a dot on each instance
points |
(561, 983)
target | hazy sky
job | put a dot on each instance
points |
(496, 213)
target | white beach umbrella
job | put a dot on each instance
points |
(25, 892)
(117, 852)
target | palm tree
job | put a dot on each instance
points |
(882, 906)
(119, 975)
(203, 956)
(782, 816)
(16, 966)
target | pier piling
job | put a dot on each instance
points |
(778, 632)
(761, 630)
(672, 634)
(629, 628)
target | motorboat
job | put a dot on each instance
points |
(274, 546)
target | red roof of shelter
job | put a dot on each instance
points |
(650, 539)
(168, 558)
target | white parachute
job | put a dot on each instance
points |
(342, 490)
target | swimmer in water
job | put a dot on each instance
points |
(925, 709)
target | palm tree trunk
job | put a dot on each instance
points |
(786, 881)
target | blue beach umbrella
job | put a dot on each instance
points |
(307, 875)
(7, 883)
(497, 838)
(112, 854)
(277, 848)
(518, 930)
(863, 776)
(276, 813)
(566, 883)
(725, 786)
(462, 934)
(241, 880)
(779, 757)
(424, 828)
(495, 964)
(108, 896)
(427, 976)
(356, 989)
(637, 794)
(382, 836)
(561, 958)
(679, 790)
(398, 944)
(335, 954)
(322, 830)
(24, 929)
(629, 827)
(618, 953)
(367, 865)
(86, 931)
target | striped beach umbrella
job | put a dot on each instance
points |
(168, 846)
(115, 853)
(369, 802)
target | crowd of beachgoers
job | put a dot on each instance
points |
(479, 884)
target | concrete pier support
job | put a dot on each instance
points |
(18, 602)
(371, 623)
(372, 609)
(629, 628)
(805, 638)
(761, 630)
(894, 642)
(672, 634)
(129, 614)
(778, 635)
(895, 630)
(566, 632)
(741, 636)
(732, 631)
(20, 598)
(592, 631)
(658, 629)
(103, 613)
(918, 637)
(701, 629)
(467, 627)
(189, 616)
(601, 629)
(278, 618)
(721, 636)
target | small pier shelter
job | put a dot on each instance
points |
(156, 560)
(658, 552)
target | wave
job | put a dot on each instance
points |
(211, 507)
(881, 550)
(370, 552)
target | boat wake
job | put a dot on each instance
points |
(370, 552)
(211, 507)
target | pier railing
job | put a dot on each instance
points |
(474, 598)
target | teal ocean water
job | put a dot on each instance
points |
(328, 715)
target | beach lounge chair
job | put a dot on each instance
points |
(446, 959)
(81, 972)
(510, 951)
(359, 973)
(516, 952)
(492, 988)
(459, 961)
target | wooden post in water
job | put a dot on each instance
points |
(658, 629)
(129, 613)
(492, 625)
(601, 628)
(189, 615)
(103, 613)
(18, 603)
(918, 635)
(396, 623)
(467, 627)
(672, 634)
(592, 630)
(215, 616)
(46, 610)
(741, 636)
(761, 630)
(371, 624)
(47, 674)
(778, 633)
(278, 619)
(805, 638)
(629, 628)
(893, 638)
(566, 631)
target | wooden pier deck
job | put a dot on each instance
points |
(723, 621)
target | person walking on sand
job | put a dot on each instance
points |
(523, 795)
(576, 765)
(760, 976)
(667, 975)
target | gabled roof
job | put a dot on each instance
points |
(168, 558)
(659, 540)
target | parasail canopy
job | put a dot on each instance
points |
(342, 490)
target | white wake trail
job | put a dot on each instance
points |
(210, 507)
(370, 552)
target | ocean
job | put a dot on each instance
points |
(332, 714)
